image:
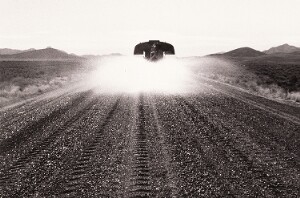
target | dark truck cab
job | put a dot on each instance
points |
(154, 50)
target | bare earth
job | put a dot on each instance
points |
(216, 142)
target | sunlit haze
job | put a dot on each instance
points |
(194, 27)
(129, 74)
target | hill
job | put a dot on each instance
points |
(243, 52)
(7, 51)
(239, 53)
(273, 75)
(41, 54)
(285, 48)
(246, 55)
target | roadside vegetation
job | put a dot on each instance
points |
(20, 80)
(275, 81)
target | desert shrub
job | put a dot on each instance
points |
(276, 81)
(295, 96)
(22, 79)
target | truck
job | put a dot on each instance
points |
(154, 50)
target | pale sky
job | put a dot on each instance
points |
(194, 27)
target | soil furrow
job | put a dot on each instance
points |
(25, 134)
(141, 173)
(268, 182)
(81, 168)
(22, 167)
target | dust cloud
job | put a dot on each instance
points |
(172, 75)
(133, 74)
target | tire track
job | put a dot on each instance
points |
(14, 117)
(196, 172)
(82, 166)
(281, 142)
(171, 188)
(25, 134)
(279, 146)
(140, 167)
(42, 149)
(269, 182)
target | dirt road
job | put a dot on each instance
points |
(216, 142)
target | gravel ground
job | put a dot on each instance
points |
(216, 142)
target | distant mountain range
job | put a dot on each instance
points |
(278, 53)
(45, 54)
(283, 54)
(285, 48)
(41, 54)
(7, 51)
(249, 52)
